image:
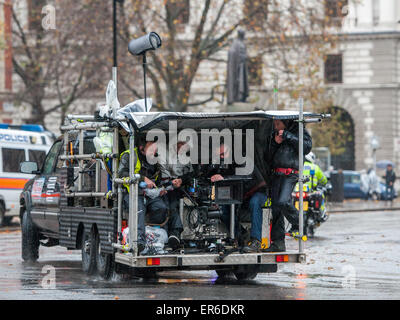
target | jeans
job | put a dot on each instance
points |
(175, 226)
(256, 203)
(282, 188)
(389, 192)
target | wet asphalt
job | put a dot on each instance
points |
(353, 256)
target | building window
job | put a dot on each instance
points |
(12, 158)
(334, 68)
(257, 12)
(179, 11)
(255, 68)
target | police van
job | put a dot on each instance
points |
(18, 144)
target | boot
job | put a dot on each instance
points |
(276, 246)
(253, 246)
(174, 242)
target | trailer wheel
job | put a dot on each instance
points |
(222, 274)
(104, 261)
(246, 272)
(30, 239)
(88, 250)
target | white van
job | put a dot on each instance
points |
(17, 144)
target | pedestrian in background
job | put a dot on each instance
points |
(390, 178)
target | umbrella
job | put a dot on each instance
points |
(382, 164)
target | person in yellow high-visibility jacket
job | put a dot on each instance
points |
(317, 178)
(311, 169)
(154, 209)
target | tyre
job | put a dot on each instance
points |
(2, 213)
(104, 263)
(30, 239)
(88, 250)
(246, 273)
(7, 221)
(222, 274)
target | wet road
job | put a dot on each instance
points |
(353, 256)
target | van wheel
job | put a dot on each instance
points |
(88, 250)
(104, 262)
(2, 214)
(30, 239)
(7, 221)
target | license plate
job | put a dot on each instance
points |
(305, 205)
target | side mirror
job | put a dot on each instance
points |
(28, 167)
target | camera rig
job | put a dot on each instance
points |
(207, 210)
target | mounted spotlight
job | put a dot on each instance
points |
(150, 41)
(140, 46)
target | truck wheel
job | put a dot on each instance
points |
(88, 252)
(104, 262)
(30, 239)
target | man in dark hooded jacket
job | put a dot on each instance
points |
(282, 154)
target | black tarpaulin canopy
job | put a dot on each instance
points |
(142, 121)
(260, 121)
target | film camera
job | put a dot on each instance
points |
(207, 207)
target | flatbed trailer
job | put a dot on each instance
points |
(95, 228)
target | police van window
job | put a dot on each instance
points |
(12, 158)
(51, 157)
(37, 156)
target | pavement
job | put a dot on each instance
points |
(359, 205)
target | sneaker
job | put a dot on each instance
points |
(253, 246)
(174, 242)
(276, 246)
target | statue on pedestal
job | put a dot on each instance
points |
(237, 75)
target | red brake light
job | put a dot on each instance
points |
(282, 258)
(317, 204)
(153, 261)
(298, 195)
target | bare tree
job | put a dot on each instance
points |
(62, 64)
(283, 31)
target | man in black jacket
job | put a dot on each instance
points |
(390, 178)
(283, 156)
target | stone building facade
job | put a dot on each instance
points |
(369, 88)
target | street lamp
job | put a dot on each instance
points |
(374, 146)
(115, 64)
